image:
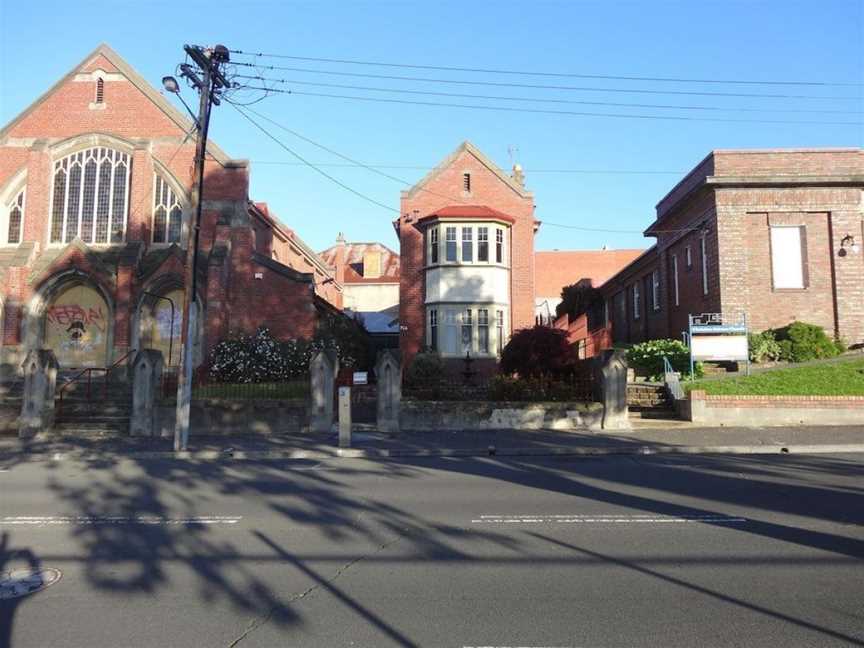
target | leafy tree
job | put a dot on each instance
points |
(577, 299)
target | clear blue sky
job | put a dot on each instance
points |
(790, 41)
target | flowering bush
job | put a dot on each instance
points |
(648, 356)
(260, 358)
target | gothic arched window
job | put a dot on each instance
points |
(14, 212)
(91, 196)
(167, 212)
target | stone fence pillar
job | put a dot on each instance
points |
(388, 370)
(322, 376)
(610, 379)
(40, 382)
(146, 384)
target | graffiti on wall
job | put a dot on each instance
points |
(76, 326)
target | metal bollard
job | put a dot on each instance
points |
(344, 417)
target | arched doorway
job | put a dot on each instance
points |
(77, 326)
(161, 323)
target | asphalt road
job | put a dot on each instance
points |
(693, 551)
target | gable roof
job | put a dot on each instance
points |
(467, 146)
(183, 121)
(555, 269)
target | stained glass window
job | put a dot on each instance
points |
(91, 196)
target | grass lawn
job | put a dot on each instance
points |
(296, 389)
(845, 378)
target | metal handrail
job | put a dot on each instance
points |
(89, 371)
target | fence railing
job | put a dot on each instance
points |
(88, 372)
(203, 387)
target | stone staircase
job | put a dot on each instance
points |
(649, 401)
(105, 412)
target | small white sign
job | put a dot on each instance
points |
(361, 378)
(719, 347)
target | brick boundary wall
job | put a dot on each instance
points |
(773, 410)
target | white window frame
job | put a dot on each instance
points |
(482, 237)
(16, 197)
(469, 231)
(655, 290)
(703, 248)
(675, 277)
(448, 229)
(688, 254)
(434, 332)
(499, 241)
(434, 246)
(637, 301)
(782, 261)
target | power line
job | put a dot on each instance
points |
(417, 167)
(405, 182)
(705, 93)
(541, 100)
(556, 112)
(309, 164)
(571, 75)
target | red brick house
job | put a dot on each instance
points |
(776, 234)
(466, 235)
(95, 180)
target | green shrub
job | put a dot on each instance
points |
(800, 342)
(648, 357)
(764, 346)
(426, 370)
(841, 345)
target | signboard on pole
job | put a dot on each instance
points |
(716, 338)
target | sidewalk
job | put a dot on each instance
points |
(640, 441)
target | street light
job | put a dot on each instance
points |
(170, 84)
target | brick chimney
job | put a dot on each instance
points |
(341, 258)
(518, 175)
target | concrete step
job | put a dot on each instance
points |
(75, 428)
(653, 413)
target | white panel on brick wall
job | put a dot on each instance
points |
(786, 260)
(468, 284)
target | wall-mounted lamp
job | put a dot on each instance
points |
(848, 243)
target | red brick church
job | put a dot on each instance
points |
(95, 181)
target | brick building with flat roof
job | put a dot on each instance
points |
(95, 185)
(775, 234)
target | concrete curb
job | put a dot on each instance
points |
(357, 453)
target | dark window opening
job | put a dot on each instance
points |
(100, 90)
(466, 181)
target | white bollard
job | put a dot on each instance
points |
(344, 417)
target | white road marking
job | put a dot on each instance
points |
(50, 520)
(607, 519)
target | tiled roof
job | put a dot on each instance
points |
(558, 268)
(469, 211)
(354, 262)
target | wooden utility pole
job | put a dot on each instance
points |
(211, 81)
